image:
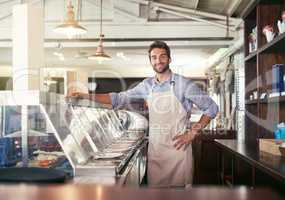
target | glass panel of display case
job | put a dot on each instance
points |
(81, 124)
(44, 149)
(11, 119)
(96, 130)
(118, 129)
(67, 127)
(41, 148)
(109, 126)
(103, 123)
(115, 118)
(10, 142)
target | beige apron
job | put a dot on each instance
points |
(167, 167)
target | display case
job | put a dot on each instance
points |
(89, 141)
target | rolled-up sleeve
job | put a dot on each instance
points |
(201, 100)
(123, 98)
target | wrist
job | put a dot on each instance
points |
(193, 132)
(197, 127)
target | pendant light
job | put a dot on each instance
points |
(100, 55)
(70, 27)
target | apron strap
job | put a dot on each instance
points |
(172, 84)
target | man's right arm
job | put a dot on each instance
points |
(116, 99)
(100, 98)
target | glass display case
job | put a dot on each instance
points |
(89, 141)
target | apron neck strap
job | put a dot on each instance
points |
(172, 83)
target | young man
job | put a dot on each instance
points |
(170, 98)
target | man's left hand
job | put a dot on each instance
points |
(184, 139)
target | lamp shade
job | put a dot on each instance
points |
(70, 27)
(100, 55)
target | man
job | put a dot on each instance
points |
(170, 98)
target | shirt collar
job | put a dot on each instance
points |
(171, 78)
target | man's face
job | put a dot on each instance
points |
(159, 60)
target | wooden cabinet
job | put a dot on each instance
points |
(206, 156)
(263, 114)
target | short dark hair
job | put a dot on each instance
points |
(161, 45)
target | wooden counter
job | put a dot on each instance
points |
(81, 192)
(247, 162)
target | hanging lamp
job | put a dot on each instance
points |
(70, 27)
(100, 55)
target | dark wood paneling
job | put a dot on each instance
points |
(268, 13)
(250, 23)
(269, 118)
(250, 78)
(206, 156)
(251, 122)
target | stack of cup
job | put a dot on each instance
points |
(268, 32)
(281, 24)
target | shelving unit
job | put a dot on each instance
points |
(262, 115)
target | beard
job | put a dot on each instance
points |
(161, 70)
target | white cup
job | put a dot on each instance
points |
(281, 26)
(269, 35)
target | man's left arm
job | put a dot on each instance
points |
(189, 136)
(209, 108)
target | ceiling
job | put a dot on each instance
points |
(194, 29)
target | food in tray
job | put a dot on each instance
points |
(108, 155)
(46, 159)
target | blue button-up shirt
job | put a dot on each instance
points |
(185, 90)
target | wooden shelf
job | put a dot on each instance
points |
(276, 45)
(278, 99)
(250, 102)
(263, 101)
(252, 56)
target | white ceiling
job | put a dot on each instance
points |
(129, 27)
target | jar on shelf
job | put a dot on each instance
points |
(252, 42)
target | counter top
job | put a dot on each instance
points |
(81, 192)
(274, 165)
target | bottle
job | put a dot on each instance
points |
(280, 131)
(277, 78)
